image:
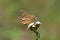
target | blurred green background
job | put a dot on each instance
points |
(49, 16)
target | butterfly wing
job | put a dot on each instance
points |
(24, 17)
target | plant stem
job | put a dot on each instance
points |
(37, 35)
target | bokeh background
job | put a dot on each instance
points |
(49, 16)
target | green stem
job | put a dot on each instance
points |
(37, 35)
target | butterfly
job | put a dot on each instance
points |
(32, 22)
(26, 18)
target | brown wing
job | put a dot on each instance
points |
(23, 14)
